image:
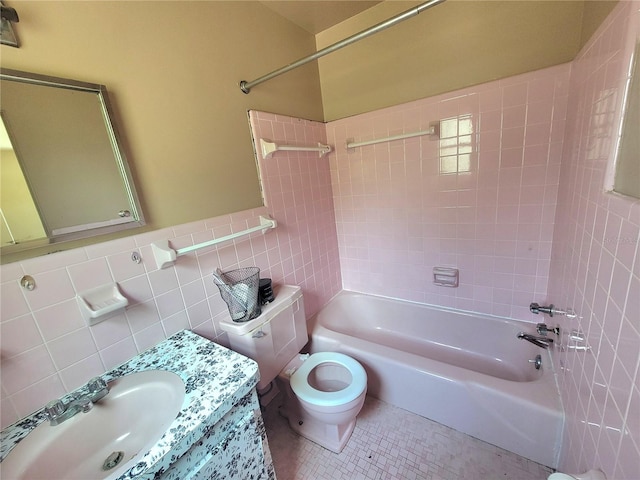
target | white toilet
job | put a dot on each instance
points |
(323, 392)
(590, 475)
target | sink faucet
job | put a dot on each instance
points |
(542, 342)
(57, 411)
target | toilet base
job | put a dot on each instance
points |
(331, 437)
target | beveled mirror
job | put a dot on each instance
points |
(64, 173)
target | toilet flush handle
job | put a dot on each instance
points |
(259, 334)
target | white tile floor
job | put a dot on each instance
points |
(390, 443)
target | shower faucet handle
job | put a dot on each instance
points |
(543, 329)
(535, 308)
(551, 310)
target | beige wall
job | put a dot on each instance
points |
(595, 11)
(450, 46)
(172, 70)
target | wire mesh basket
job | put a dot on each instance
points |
(239, 289)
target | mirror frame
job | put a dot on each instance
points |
(121, 162)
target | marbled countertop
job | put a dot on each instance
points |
(215, 379)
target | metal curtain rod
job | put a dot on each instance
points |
(247, 86)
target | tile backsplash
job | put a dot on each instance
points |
(46, 347)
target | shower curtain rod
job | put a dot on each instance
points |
(247, 86)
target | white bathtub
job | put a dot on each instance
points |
(466, 371)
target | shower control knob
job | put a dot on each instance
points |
(543, 329)
(537, 362)
(535, 308)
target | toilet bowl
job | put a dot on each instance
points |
(323, 394)
(590, 475)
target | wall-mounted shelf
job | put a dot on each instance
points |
(269, 148)
(166, 256)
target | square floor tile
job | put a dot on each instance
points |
(389, 443)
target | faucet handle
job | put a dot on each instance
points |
(54, 409)
(97, 384)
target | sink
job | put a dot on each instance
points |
(138, 410)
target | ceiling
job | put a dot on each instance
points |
(318, 15)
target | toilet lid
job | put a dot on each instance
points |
(300, 384)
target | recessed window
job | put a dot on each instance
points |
(456, 144)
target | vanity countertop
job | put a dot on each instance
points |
(215, 379)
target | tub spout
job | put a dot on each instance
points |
(542, 342)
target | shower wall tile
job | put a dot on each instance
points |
(46, 347)
(297, 190)
(595, 266)
(400, 212)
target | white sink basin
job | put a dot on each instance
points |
(137, 411)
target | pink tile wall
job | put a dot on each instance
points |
(297, 188)
(398, 216)
(46, 347)
(596, 264)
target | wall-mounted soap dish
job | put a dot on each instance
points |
(446, 276)
(100, 303)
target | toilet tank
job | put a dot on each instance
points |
(273, 338)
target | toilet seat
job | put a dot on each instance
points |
(304, 391)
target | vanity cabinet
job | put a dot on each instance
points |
(235, 448)
(217, 435)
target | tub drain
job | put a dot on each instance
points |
(112, 460)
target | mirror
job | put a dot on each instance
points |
(626, 179)
(64, 175)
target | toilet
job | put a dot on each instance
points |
(590, 475)
(323, 392)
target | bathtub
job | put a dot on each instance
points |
(466, 371)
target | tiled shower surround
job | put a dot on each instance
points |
(510, 194)
(595, 264)
(480, 198)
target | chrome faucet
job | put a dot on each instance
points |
(58, 411)
(542, 342)
(551, 310)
